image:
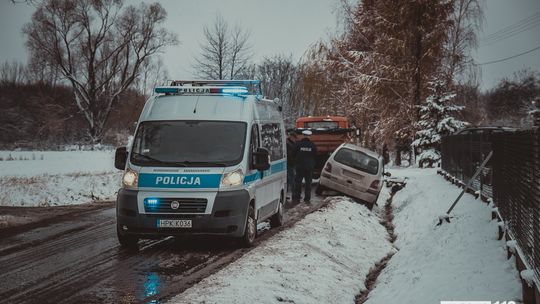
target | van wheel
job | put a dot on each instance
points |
(127, 241)
(320, 189)
(251, 229)
(277, 219)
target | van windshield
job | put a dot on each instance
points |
(357, 160)
(189, 143)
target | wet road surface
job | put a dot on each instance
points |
(78, 260)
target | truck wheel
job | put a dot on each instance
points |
(277, 219)
(127, 241)
(251, 229)
(320, 189)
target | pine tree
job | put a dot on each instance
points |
(437, 119)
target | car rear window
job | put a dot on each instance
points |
(357, 160)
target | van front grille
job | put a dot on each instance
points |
(185, 205)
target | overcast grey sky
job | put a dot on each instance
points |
(291, 26)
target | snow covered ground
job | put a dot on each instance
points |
(324, 258)
(461, 260)
(49, 178)
(33, 163)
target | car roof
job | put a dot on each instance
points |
(321, 118)
(361, 149)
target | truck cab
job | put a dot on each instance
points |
(329, 132)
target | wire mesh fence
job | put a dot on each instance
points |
(462, 154)
(516, 176)
(511, 178)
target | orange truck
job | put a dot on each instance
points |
(328, 133)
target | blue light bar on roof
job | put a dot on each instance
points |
(237, 91)
(234, 91)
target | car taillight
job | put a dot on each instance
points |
(375, 184)
(328, 167)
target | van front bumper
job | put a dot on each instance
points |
(228, 217)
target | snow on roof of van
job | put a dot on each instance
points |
(193, 107)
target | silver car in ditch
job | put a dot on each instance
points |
(353, 171)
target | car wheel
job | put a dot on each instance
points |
(370, 205)
(127, 241)
(250, 231)
(320, 189)
(277, 219)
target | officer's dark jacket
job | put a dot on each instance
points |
(290, 151)
(304, 153)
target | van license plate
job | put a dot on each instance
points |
(174, 223)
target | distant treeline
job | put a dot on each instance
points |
(39, 115)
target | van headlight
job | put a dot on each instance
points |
(130, 178)
(231, 179)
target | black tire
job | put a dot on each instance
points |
(277, 219)
(370, 205)
(250, 232)
(320, 189)
(127, 241)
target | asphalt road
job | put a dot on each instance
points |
(78, 260)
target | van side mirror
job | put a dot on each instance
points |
(120, 158)
(387, 174)
(261, 159)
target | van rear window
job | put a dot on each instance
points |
(357, 160)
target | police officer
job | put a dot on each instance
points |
(290, 161)
(304, 153)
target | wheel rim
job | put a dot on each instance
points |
(280, 211)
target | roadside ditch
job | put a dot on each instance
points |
(387, 221)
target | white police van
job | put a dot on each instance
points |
(208, 157)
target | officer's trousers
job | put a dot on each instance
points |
(302, 174)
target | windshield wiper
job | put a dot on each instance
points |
(185, 163)
(146, 157)
(201, 163)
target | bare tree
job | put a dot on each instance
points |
(279, 75)
(29, 2)
(152, 74)
(239, 52)
(99, 47)
(13, 73)
(467, 17)
(225, 53)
